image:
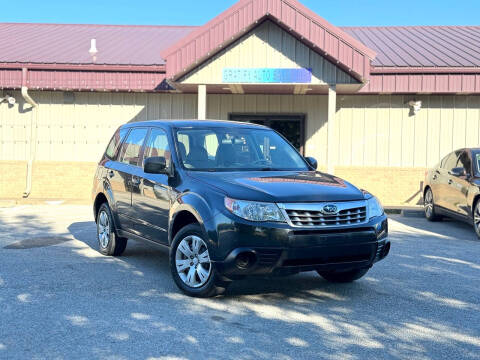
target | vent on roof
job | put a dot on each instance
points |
(93, 49)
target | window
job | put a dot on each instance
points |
(183, 145)
(130, 152)
(248, 149)
(157, 145)
(211, 144)
(115, 142)
(450, 161)
(465, 162)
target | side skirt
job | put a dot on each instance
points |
(129, 235)
(451, 214)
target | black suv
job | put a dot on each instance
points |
(232, 199)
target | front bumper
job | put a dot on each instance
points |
(281, 250)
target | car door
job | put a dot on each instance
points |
(151, 204)
(459, 185)
(120, 175)
(442, 191)
(113, 182)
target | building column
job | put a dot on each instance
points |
(331, 137)
(202, 102)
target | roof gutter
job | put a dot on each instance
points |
(83, 67)
(33, 131)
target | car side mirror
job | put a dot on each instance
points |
(312, 162)
(155, 165)
(459, 171)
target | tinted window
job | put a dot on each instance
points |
(130, 152)
(115, 142)
(465, 162)
(157, 145)
(450, 162)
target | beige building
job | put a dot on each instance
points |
(362, 101)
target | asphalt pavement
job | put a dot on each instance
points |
(61, 299)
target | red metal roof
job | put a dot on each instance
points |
(399, 59)
(414, 47)
(327, 39)
(421, 46)
(69, 44)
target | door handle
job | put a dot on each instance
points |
(450, 182)
(111, 174)
(434, 177)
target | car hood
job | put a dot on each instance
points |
(284, 186)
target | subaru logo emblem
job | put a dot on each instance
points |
(330, 209)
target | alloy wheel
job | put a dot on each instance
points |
(476, 217)
(103, 229)
(428, 203)
(193, 261)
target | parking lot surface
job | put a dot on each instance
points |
(61, 299)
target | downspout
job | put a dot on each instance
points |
(33, 132)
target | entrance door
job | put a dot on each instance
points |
(292, 127)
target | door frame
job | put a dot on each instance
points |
(268, 117)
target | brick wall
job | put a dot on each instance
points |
(393, 186)
(73, 181)
(50, 180)
(12, 179)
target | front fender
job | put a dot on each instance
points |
(198, 207)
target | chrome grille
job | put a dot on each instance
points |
(310, 215)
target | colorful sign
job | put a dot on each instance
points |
(266, 76)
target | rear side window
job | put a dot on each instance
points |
(157, 145)
(130, 151)
(450, 162)
(115, 143)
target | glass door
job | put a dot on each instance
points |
(292, 127)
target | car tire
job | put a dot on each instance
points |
(476, 219)
(343, 277)
(109, 243)
(192, 269)
(429, 206)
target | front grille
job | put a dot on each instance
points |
(311, 216)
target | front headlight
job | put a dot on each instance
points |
(374, 207)
(254, 211)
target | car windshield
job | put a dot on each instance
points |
(476, 159)
(236, 149)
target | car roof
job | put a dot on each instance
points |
(193, 124)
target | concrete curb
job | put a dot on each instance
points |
(405, 211)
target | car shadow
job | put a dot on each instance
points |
(444, 227)
(149, 257)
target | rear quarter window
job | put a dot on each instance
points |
(114, 143)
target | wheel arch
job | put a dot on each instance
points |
(189, 208)
(476, 198)
(427, 187)
(181, 219)
(99, 200)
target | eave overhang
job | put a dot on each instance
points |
(326, 39)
